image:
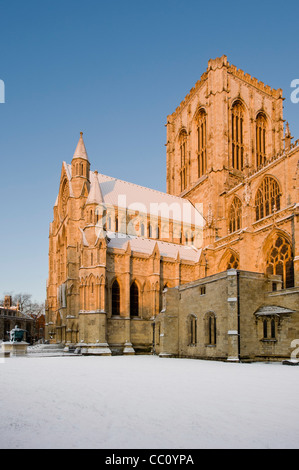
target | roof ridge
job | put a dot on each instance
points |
(144, 187)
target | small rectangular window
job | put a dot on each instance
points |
(193, 331)
(203, 290)
(265, 328)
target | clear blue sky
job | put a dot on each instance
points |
(114, 70)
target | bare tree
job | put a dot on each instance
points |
(26, 305)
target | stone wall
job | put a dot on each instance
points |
(232, 301)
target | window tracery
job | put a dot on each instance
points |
(280, 261)
(261, 125)
(235, 215)
(233, 262)
(267, 199)
(237, 117)
(184, 160)
(202, 144)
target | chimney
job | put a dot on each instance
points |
(7, 301)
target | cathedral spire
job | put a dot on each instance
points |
(80, 151)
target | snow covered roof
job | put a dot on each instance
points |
(147, 246)
(272, 310)
(114, 192)
(122, 194)
(145, 200)
(14, 310)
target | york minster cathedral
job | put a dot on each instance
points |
(207, 270)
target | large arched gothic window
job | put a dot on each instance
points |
(267, 198)
(115, 298)
(235, 215)
(280, 261)
(202, 143)
(184, 159)
(261, 125)
(134, 300)
(237, 136)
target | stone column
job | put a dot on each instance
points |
(102, 296)
(233, 323)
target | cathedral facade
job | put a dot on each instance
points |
(209, 269)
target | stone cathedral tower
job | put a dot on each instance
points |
(225, 148)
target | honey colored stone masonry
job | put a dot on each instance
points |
(209, 269)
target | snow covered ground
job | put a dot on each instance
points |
(146, 402)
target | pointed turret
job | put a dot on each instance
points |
(287, 137)
(95, 211)
(80, 151)
(95, 194)
(80, 168)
